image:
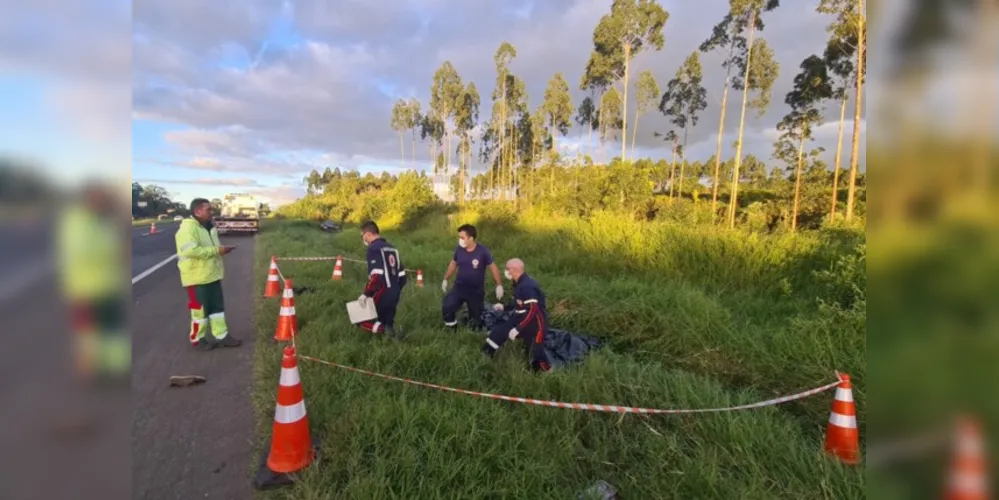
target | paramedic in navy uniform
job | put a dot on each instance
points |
(470, 261)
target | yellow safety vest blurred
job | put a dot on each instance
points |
(197, 254)
(89, 251)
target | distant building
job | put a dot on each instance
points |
(441, 186)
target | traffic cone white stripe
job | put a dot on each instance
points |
(288, 311)
(845, 421)
(969, 483)
(289, 377)
(289, 414)
(844, 395)
(969, 446)
(287, 293)
(272, 277)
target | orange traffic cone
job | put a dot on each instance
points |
(273, 288)
(287, 325)
(419, 277)
(152, 228)
(338, 269)
(291, 448)
(968, 474)
(842, 436)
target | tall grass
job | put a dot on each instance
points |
(693, 318)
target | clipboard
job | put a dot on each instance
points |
(359, 314)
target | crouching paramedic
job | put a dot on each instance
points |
(386, 278)
(529, 320)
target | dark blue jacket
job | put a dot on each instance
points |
(385, 269)
(529, 305)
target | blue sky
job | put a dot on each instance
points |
(156, 161)
(31, 128)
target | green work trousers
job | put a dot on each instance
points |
(207, 308)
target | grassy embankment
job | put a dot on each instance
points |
(694, 317)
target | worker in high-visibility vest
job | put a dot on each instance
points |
(90, 252)
(199, 258)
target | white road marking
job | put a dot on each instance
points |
(153, 269)
(26, 276)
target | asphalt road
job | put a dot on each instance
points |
(62, 440)
(150, 249)
(41, 456)
(193, 442)
(25, 255)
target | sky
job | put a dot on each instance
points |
(250, 95)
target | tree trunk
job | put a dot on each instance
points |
(461, 178)
(858, 107)
(839, 155)
(634, 132)
(672, 170)
(734, 196)
(513, 170)
(721, 133)
(624, 103)
(511, 157)
(433, 155)
(412, 148)
(600, 129)
(589, 140)
(447, 149)
(797, 184)
(492, 174)
(683, 160)
(502, 155)
(552, 120)
(534, 164)
(402, 146)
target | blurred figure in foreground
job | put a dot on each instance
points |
(90, 253)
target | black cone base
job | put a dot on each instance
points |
(267, 479)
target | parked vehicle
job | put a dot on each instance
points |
(240, 214)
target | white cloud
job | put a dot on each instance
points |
(323, 96)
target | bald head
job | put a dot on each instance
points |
(514, 269)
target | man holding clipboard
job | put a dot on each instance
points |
(386, 278)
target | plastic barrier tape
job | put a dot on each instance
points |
(583, 406)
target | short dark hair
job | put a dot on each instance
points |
(369, 226)
(469, 230)
(197, 202)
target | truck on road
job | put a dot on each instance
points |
(240, 214)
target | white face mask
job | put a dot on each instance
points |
(507, 275)
(462, 243)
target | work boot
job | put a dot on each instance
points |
(228, 341)
(394, 334)
(204, 344)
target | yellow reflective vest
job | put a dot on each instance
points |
(198, 255)
(90, 252)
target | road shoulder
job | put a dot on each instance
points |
(193, 442)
